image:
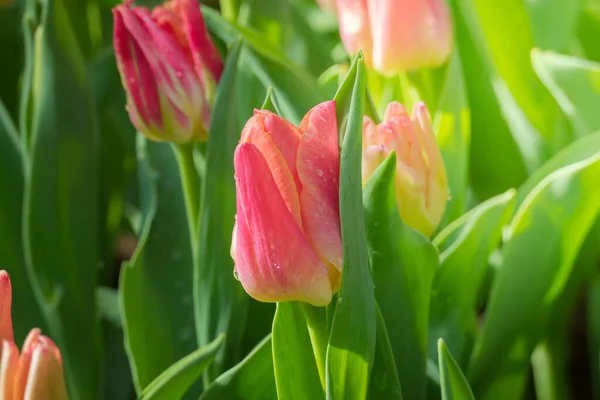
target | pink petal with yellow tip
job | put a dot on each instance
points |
(6, 329)
(274, 261)
(8, 369)
(319, 170)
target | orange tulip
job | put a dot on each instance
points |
(37, 372)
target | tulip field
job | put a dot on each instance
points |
(300, 199)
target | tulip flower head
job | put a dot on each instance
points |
(396, 35)
(36, 373)
(287, 241)
(169, 68)
(421, 182)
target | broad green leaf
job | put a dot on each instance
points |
(220, 301)
(11, 45)
(403, 263)
(297, 91)
(384, 383)
(25, 309)
(575, 84)
(452, 381)
(553, 22)
(500, 23)
(579, 150)
(463, 265)
(491, 139)
(251, 379)
(593, 315)
(547, 234)
(352, 339)
(296, 373)
(451, 123)
(589, 29)
(61, 199)
(270, 102)
(155, 287)
(174, 382)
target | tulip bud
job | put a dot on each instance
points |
(287, 242)
(397, 35)
(421, 182)
(169, 68)
(35, 374)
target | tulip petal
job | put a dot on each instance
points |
(319, 170)
(45, 380)
(278, 142)
(354, 27)
(204, 52)
(136, 74)
(6, 330)
(274, 261)
(8, 369)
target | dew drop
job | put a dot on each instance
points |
(320, 172)
(276, 266)
(236, 275)
(340, 300)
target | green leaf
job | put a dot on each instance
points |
(547, 234)
(593, 315)
(579, 150)
(11, 44)
(155, 287)
(61, 199)
(297, 91)
(26, 312)
(384, 383)
(491, 139)
(403, 263)
(451, 123)
(293, 355)
(352, 339)
(270, 102)
(465, 247)
(553, 22)
(174, 382)
(575, 84)
(220, 301)
(251, 379)
(453, 382)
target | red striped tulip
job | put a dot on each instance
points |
(287, 241)
(37, 372)
(169, 68)
(421, 182)
(397, 35)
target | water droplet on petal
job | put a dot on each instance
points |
(236, 275)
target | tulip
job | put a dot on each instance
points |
(37, 372)
(169, 68)
(421, 182)
(396, 35)
(287, 242)
(327, 5)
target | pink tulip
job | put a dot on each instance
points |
(37, 372)
(287, 241)
(169, 68)
(397, 35)
(421, 182)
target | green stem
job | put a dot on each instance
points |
(316, 322)
(190, 181)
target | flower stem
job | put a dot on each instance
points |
(190, 181)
